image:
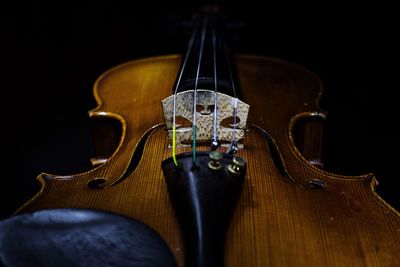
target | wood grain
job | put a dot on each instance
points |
(280, 220)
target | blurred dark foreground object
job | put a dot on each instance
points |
(78, 237)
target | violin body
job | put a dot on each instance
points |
(289, 212)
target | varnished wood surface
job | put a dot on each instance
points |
(280, 220)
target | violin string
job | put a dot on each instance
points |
(190, 46)
(228, 63)
(214, 144)
(203, 34)
(235, 103)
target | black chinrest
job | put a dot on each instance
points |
(80, 237)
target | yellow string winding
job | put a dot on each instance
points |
(174, 145)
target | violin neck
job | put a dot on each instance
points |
(208, 60)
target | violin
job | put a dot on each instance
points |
(214, 159)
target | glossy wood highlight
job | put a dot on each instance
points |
(283, 218)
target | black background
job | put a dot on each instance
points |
(52, 54)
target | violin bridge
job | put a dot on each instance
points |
(226, 130)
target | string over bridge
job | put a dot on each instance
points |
(205, 121)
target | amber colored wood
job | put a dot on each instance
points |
(308, 139)
(106, 136)
(280, 220)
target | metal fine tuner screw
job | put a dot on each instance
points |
(237, 165)
(214, 162)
